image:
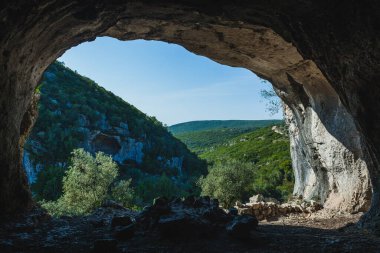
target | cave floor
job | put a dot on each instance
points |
(320, 232)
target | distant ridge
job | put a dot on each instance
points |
(203, 135)
(202, 125)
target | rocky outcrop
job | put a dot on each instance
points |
(114, 141)
(74, 112)
(322, 57)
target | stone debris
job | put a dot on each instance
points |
(183, 225)
(241, 226)
(121, 221)
(193, 216)
(265, 208)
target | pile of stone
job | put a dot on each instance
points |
(267, 208)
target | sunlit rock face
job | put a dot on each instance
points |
(323, 59)
(328, 152)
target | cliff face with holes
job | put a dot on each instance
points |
(322, 57)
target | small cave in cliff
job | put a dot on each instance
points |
(322, 59)
(106, 144)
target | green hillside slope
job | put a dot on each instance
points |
(268, 152)
(203, 125)
(75, 112)
(203, 136)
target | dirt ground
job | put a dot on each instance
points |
(319, 232)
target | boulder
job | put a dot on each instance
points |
(124, 233)
(241, 226)
(112, 204)
(104, 246)
(186, 227)
(121, 221)
(233, 211)
(192, 217)
(256, 198)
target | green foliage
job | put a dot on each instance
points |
(204, 136)
(204, 125)
(70, 107)
(48, 185)
(151, 187)
(71, 104)
(123, 193)
(205, 140)
(228, 181)
(270, 154)
(273, 102)
(85, 185)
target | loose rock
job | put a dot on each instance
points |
(241, 226)
(105, 245)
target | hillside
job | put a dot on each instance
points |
(75, 112)
(267, 150)
(203, 136)
(203, 125)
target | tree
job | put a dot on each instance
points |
(123, 193)
(152, 187)
(228, 181)
(85, 185)
(273, 103)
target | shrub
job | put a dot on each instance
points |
(85, 185)
(123, 193)
(151, 187)
(228, 181)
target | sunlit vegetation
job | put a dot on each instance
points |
(71, 107)
(71, 104)
(244, 157)
(228, 181)
(203, 136)
(265, 153)
(86, 184)
(90, 181)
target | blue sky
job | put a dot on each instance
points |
(168, 82)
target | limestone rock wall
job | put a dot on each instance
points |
(328, 152)
(111, 140)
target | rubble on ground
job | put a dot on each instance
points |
(266, 208)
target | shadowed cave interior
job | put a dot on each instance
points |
(321, 57)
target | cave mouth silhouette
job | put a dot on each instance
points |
(106, 136)
(321, 58)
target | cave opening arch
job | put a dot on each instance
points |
(333, 142)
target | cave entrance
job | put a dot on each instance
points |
(334, 158)
(175, 86)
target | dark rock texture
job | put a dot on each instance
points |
(321, 56)
(241, 226)
(37, 232)
(189, 218)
